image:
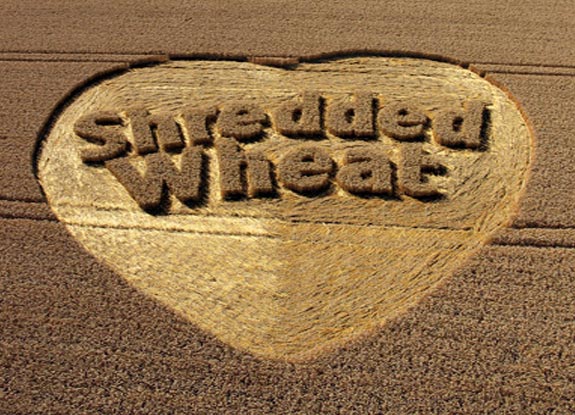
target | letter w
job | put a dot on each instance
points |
(161, 173)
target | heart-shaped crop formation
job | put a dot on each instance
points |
(287, 211)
